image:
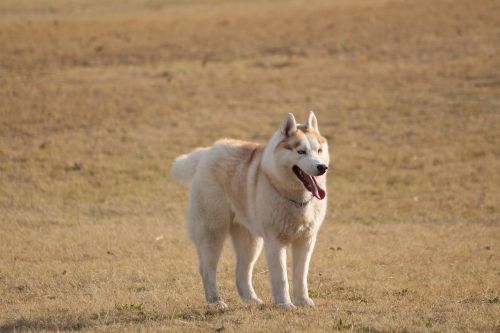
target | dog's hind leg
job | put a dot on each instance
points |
(208, 226)
(209, 251)
(247, 248)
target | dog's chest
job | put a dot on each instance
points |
(297, 223)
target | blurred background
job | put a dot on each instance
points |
(98, 97)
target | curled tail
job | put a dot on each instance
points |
(184, 166)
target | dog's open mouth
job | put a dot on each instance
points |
(310, 183)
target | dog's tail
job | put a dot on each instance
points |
(184, 166)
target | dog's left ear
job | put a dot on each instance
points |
(312, 122)
(289, 125)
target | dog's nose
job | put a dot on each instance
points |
(322, 169)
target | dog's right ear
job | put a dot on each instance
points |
(289, 125)
(312, 122)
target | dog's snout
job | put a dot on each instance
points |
(322, 169)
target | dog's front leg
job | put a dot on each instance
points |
(302, 250)
(276, 261)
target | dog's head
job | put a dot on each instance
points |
(303, 152)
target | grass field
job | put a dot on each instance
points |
(98, 97)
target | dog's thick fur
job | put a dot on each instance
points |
(254, 193)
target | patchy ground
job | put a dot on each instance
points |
(97, 98)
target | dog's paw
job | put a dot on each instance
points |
(286, 306)
(253, 301)
(304, 301)
(217, 305)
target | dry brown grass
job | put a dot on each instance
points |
(98, 97)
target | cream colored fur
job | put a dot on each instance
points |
(249, 191)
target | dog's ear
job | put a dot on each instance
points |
(289, 125)
(312, 122)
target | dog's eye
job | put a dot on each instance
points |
(320, 151)
(301, 152)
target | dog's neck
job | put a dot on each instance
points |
(300, 204)
(298, 199)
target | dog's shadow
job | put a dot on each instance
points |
(82, 321)
(77, 322)
(74, 322)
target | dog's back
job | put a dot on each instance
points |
(224, 161)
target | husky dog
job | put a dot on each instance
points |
(272, 194)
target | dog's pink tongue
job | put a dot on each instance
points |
(317, 191)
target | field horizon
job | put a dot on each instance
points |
(98, 98)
